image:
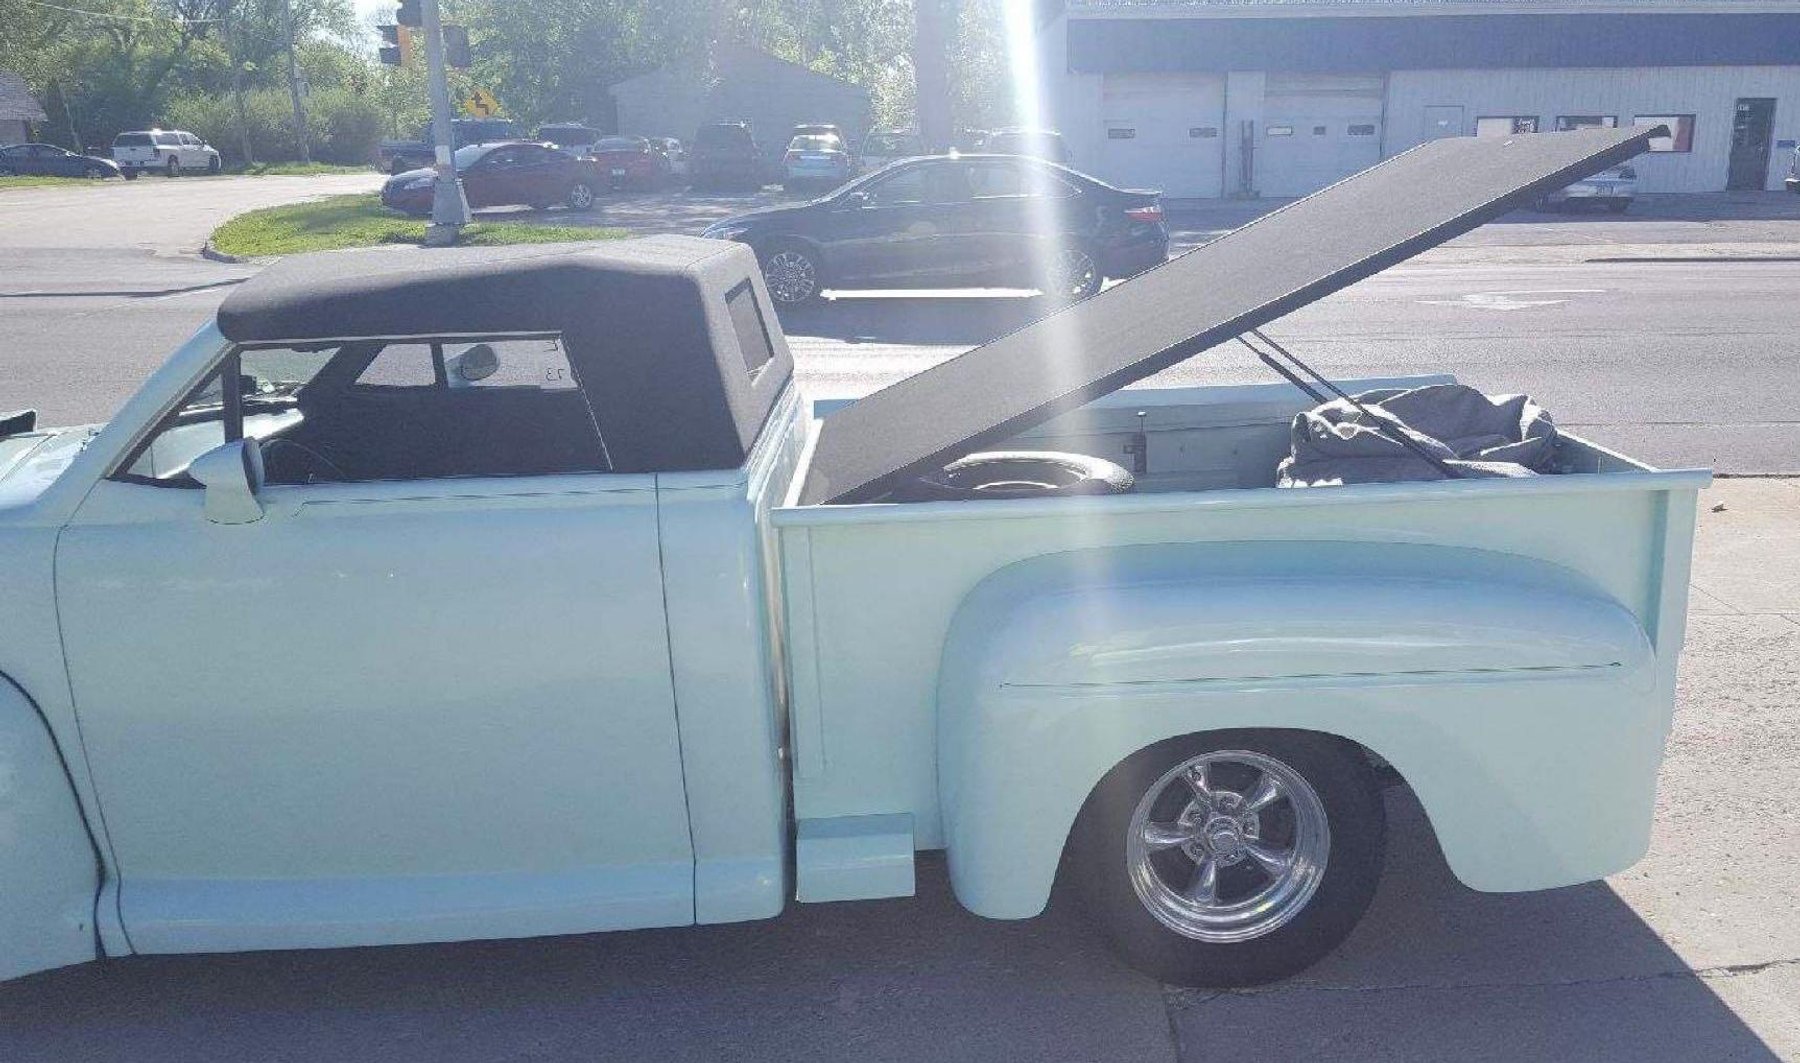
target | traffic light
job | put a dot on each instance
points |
(396, 45)
(409, 14)
(456, 46)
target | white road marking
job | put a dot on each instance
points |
(1511, 300)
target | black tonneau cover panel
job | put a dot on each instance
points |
(1273, 266)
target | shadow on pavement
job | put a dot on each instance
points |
(1435, 972)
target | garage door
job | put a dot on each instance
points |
(1163, 131)
(1317, 129)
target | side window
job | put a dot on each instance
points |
(369, 410)
(990, 179)
(401, 365)
(534, 365)
(907, 186)
(263, 405)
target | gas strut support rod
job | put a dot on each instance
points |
(1381, 424)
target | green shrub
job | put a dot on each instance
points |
(342, 126)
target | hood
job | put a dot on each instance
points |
(1241, 281)
(31, 461)
(408, 175)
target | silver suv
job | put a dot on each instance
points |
(170, 151)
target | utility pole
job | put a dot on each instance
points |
(933, 26)
(449, 209)
(287, 15)
(237, 85)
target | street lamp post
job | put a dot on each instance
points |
(449, 208)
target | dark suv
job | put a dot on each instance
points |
(725, 156)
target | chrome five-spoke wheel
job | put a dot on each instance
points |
(1227, 846)
(1230, 858)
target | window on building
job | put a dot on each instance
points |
(1120, 133)
(1505, 125)
(1281, 130)
(1566, 122)
(1318, 131)
(1361, 129)
(1203, 132)
(1681, 131)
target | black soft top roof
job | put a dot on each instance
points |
(1252, 276)
(668, 335)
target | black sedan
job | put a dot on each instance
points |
(48, 160)
(957, 221)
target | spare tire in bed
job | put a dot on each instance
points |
(1017, 474)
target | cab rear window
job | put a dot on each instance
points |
(132, 140)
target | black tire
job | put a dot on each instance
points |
(581, 196)
(1018, 474)
(1096, 862)
(1065, 281)
(214, 165)
(129, 173)
(94, 173)
(783, 266)
(172, 167)
(1618, 206)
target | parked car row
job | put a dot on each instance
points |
(167, 151)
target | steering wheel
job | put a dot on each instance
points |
(310, 458)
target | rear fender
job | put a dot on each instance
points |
(49, 873)
(1519, 703)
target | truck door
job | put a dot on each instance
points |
(425, 696)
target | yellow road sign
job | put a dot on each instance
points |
(480, 103)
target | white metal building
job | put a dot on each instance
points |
(1281, 97)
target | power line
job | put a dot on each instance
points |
(121, 17)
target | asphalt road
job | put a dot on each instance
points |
(1682, 363)
(1693, 954)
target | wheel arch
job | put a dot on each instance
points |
(1058, 669)
(767, 245)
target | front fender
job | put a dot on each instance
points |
(48, 871)
(1520, 703)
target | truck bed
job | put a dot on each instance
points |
(871, 591)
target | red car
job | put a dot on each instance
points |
(504, 174)
(632, 162)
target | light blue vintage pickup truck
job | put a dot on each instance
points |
(438, 595)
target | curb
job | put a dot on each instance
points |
(207, 250)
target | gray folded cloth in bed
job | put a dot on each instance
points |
(1479, 435)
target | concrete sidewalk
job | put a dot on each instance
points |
(1692, 955)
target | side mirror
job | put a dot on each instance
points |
(232, 474)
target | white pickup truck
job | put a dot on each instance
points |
(436, 595)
